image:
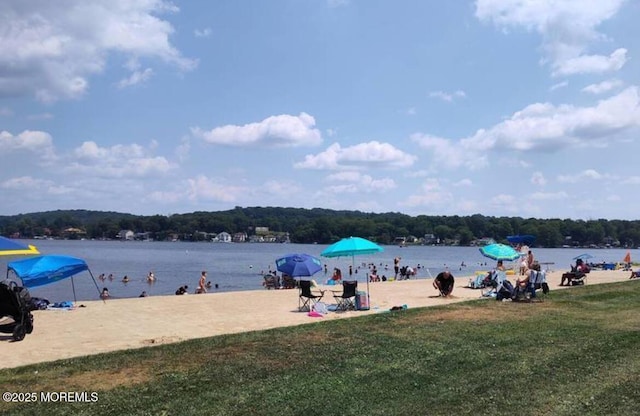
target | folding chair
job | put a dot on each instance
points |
(307, 298)
(346, 300)
(537, 282)
(270, 281)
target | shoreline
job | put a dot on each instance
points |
(120, 324)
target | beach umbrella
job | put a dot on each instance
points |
(499, 251)
(351, 247)
(9, 247)
(583, 256)
(298, 265)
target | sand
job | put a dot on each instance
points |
(118, 324)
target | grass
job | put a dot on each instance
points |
(576, 353)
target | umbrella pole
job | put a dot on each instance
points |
(73, 287)
(96, 284)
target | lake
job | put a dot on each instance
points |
(239, 266)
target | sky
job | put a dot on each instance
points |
(527, 108)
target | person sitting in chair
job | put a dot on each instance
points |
(577, 272)
(444, 282)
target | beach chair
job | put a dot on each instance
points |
(346, 299)
(574, 277)
(270, 281)
(289, 282)
(538, 283)
(307, 298)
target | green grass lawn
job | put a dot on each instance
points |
(575, 353)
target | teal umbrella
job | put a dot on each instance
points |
(500, 252)
(351, 247)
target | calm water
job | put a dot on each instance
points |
(235, 267)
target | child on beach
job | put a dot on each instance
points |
(105, 293)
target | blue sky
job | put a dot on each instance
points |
(497, 107)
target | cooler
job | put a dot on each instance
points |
(362, 301)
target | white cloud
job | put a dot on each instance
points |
(203, 33)
(38, 142)
(431, 195)
(202, 188)
(27, 185)
(448, 153)
(135, 78)
(50, 49)
(548, 196)
(119, 161)
(29, 140)
(594, 64)
(41, 116)
(603, 86)
(283, 130)
(448, 97)
(374, 155)
(506, 203)
(567, 28)
(559, 85)
(358, 181)
(543, 126)
(464, 182)
(183, 149)
(588, 175)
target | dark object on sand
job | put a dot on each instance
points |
(14, 303)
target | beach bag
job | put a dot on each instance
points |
(321, 308)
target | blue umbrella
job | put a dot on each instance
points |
(9, 247)
(500, 252)
(584, 256)
(298, 265)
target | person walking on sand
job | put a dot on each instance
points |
(202, 283)
(444, 282)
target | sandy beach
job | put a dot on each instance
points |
(118, 324)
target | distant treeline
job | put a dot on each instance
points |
(322, 226)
